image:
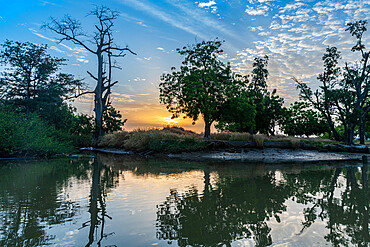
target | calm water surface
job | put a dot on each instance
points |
(126, 201)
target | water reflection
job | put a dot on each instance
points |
(180, 203)
(103, 179)
(30, 200)
(240, 206)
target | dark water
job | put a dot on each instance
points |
(117, 201)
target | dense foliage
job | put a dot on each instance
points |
(35, 118)
(343, 97)
(200, 87)
(300, 120)
(22, 135)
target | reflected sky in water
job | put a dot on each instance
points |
(127, 201)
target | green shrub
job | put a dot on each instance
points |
(20, 135)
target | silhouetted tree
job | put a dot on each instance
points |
(104, 48)
(29, 79)
(200, 86)
(343, 97)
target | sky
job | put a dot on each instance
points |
(294, 34)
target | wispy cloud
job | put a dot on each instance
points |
(186, 16)
(133, 19)
(43, 3)
(40, 35)
(162, 15)
(78, 52)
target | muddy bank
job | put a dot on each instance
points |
(267, 155)
(272, 155)
(337, 147)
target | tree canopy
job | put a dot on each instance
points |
(30, 79)
(200, 86)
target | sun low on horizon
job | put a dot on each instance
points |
(293, 33)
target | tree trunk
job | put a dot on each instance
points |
(332, 128)
(207, 129)
(28, 99)
(94, 197)
(363, 127)
(349, 135)
(98, 99)
(362, 132)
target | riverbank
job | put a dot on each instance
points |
(250, 155)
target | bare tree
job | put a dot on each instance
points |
(103, 47)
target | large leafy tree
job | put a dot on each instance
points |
(30, 79)
(323, 99)
(101, 44)
(343, 98)
(200, 86)
(268, 104)
(250, 107)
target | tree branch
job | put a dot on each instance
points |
(92, 76)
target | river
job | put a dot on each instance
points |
(114, 200)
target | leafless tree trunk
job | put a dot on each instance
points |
(104, 48)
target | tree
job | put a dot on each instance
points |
(270, 115)
(30, 81)
(103, 47)
(343, 98)
(112, 120)
(357, 76)
(300, 120)
(238, 113)
(322, 100)
(200, 86)
(268, 104)
(367, 126)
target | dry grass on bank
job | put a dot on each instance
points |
(175, 139)
(261, 139)
(167, 139)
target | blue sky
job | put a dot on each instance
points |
(294, 34)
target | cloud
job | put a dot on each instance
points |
(43, 3)
(133, 19)
(206, 4)
(139, 79)
(77, 52)
(162, 15)
(82, 60)
(40, 35)
(260, 10)
(185, 16)
(56, 49)
(160, 48)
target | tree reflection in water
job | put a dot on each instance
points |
(103, 179)
(238, 207)
(31, 200)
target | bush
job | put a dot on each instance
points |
(20, 135)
